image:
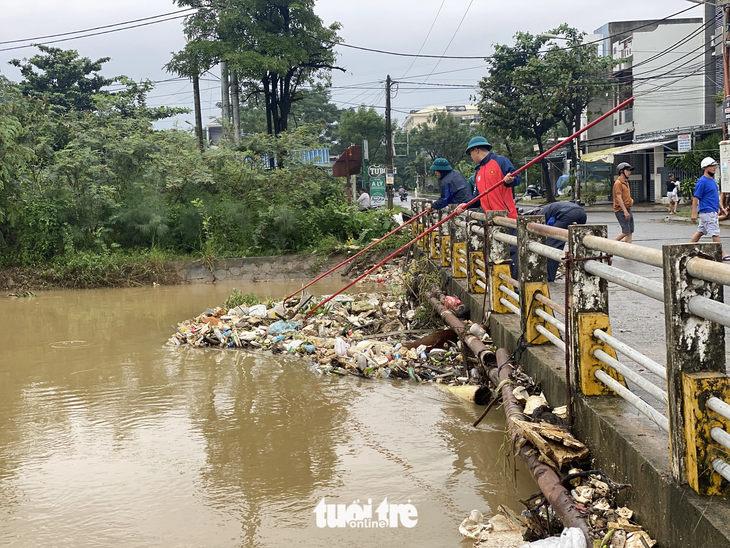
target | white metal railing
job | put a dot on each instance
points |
(697, 304)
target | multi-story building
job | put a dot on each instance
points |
(670, 68)
(467, 114)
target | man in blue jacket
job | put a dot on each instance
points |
(454, 189)
(560, 215)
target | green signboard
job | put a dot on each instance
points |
(377, 191)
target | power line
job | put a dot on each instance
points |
(94, 33)
(450, 41)
(425, 39)
(96, 28)
(482, 57)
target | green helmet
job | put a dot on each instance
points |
(441, 164)
(477, 142)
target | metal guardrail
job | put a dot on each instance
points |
(690, 293)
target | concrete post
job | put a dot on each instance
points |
(458, 247)
(587, 308)
(497, 261)
(435, 235)
(658, 164)
(533, 279)
(445, 230)
(694, 346)
(475, 256)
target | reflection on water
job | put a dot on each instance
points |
(109, 438)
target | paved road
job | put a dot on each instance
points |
(635, 319)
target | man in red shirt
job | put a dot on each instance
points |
(492, 169)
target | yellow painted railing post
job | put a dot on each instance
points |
(497, 262)
(587, 310)
(533, 279)
(694, 371)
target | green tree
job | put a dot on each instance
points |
(363, 124)
(63, 78)
(582, 75)
(275, 48)
(316, 109)
(518, 96)
(444, 136)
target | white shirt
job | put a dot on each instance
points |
(364, 200)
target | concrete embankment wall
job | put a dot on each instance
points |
(259, 269)
(624, 444)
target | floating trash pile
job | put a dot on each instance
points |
(373, 335)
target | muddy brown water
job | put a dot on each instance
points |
(110, 438)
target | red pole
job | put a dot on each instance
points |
(356, 255)
(474, 200)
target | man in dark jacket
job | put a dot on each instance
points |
(453, 186)
(560, 215)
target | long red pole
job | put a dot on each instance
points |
(475, 199)
(356, 255)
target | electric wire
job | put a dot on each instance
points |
(425, 39)
(94, 33)
(96, 28)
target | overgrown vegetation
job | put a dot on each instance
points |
(94, 195)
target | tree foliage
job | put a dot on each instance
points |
(105, 182)
(362, 124)
(443, 137)
(275, 48)
(63, 78)
(532, 92)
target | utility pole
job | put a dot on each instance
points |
(236, 106)
(198, 112)
(225, 97)
(389, 178)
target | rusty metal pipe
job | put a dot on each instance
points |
(546, 478)
(474, 343)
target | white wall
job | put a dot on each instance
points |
(680, 101)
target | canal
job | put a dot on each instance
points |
(110, 438)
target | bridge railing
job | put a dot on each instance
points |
(686, 398)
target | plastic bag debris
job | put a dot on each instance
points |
(570, 538)
(341, 347)
(257, 311)
(283, 326)
(374, 335)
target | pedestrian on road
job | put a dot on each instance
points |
(491, 170)
(672, 193)
(706, 201)
(363, 202)
(622, 202)
(453, 188)
(560, 215)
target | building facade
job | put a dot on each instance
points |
(467, 114)
(670, 68)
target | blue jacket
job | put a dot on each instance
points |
(563, 214)
(454, 190)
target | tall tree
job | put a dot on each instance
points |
(275, 47)
(63, 78)
(583, 75)
(444, 137)
(518, 96)
(363, 124)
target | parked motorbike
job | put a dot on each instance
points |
(533, 192)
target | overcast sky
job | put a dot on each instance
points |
(398, 26)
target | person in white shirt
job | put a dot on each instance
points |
(363, 202)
